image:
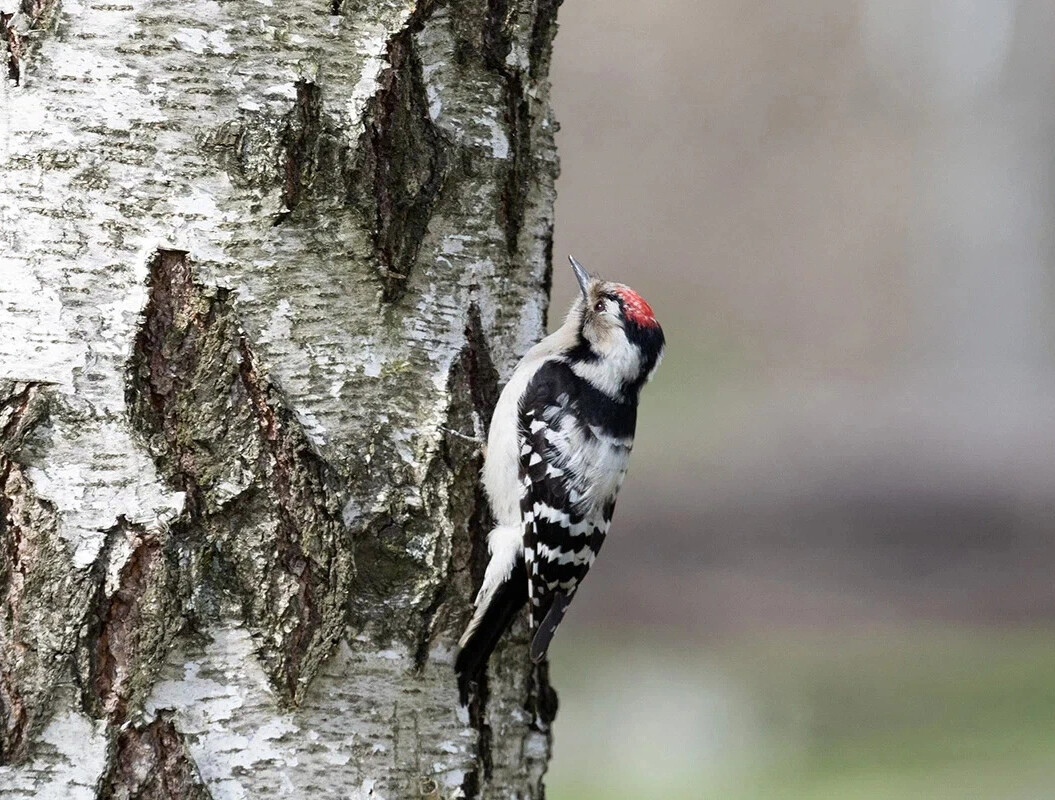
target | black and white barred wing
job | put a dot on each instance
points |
(564, 527)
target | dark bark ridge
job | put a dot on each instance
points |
(263, 509)
(151, 761)
(402, 161)
(131, 627)
(28, 666)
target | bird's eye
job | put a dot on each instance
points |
(599, 306)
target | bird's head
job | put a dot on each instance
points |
(618, 341)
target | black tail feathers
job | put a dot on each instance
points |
(471, 661)
(544, 634)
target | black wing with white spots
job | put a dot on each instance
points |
(570, 433)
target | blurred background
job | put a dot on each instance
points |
(830, 574)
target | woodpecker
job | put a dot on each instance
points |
(557, 451)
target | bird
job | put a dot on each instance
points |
(558, 448)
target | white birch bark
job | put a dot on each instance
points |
(263, 266)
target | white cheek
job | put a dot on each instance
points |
(625, 358)
(620, 363)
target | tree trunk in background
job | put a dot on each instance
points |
(264, 267)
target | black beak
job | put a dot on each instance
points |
(581, 275)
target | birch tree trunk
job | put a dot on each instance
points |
(265, 264)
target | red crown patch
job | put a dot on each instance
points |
(636, 309)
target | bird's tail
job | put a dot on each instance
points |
(544, 631)
(502, 595)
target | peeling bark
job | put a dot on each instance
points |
(264, 270)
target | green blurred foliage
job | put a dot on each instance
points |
(914, 712)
